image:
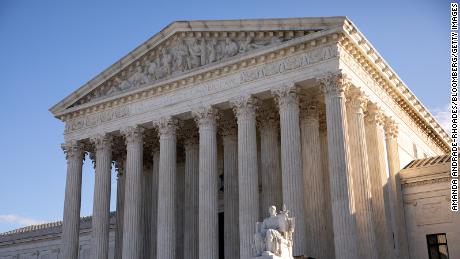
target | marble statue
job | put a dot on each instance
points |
(273, 238)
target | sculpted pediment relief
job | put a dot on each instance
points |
(185, 52)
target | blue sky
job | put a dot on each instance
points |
(50, 48)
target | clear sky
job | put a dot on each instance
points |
(50, 48)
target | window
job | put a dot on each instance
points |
(437, 246)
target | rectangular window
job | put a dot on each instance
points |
(437, 246)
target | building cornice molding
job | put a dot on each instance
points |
(362, 51)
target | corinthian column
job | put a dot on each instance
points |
(230, 143)
(376, 151)
(205, 118)
(328, 237)
(270, 159)
(120, 167)
(360, 172)
(71, 222)
(191, 195)
(166, 221)
(291, 162)
(397, 208)
(154, 223)
(345, 242)
(101, 204)
(132, 235)
(248, 198)
(315, 206)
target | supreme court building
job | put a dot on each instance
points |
(208, 123)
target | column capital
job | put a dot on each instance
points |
(333, 84)
(267, 116)
(73, 149)
(374, 115)
(309, 110)
(356, 99)
(205, 116)
(166, 126)
(102, 141)
(285, 94)
(132, 134)
(391, 128)
(244, 106)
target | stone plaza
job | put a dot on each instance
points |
(209, 123)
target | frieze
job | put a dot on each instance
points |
(182, 54)
(288, 64)
(95, 119)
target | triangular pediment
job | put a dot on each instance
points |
(186, 46)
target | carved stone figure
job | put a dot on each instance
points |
(138, 78)
(273, 238)
(180, 56)
(212, 50)
(152, 71)
(231, 48)
(166, 63)
(195, 54)
(247, 45)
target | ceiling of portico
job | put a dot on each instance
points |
(185, 47)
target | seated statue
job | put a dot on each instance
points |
(273, 238)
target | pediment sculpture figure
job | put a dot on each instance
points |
(273, 237)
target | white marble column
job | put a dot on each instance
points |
(205, 119)
(166, 221)
(313, 179)
(231, 231)
(101, 204)
(71, 222)
(180, 204)
(146, 208)
(376, 152)
(191, 195)
(120, 166)
(291, 162)
(154, 223)
(345, 242)
(248, 197)
(132, 221)
(328, 237)
(396, 199)
(361, 176)
(268, 122)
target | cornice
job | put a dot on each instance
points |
(373, 63)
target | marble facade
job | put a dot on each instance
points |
(306, 112)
